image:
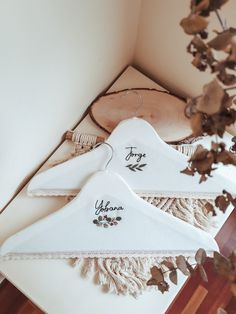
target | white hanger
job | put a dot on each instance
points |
(156, 167)
(141, 230)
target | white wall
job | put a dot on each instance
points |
(56, 56)
(161, 44)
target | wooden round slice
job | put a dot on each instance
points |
(162, 110)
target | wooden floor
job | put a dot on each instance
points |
(195, 297)
(205, 298)
(12, 301)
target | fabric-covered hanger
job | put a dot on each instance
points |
(107, 219)
(149, 166)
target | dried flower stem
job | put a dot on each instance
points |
(220, 20)
(175, 268)
(230, 88)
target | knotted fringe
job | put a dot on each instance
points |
(187, 150)
(129, 275)
(122, 276)
(78, 150)
(190, 210)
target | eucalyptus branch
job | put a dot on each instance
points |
(176, 268)
(179, 263)
(209, 113)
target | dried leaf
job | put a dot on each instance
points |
(203, 56)
(204, 166)
(181, 265)
(190, 269)
(226, 78)
(232, 56)
(226, 157)
(200, 5)
(198, 44)
(152, 282)
(222, 265)
(230, 198)
(193, 24)
(203, 178)
(163, 286)
(200, 256)
(190, 108)
(202, 160)
(157, 274)
(199, 154)
(233, 148)
(173, 276)
(168, 264)
(233, 139)
(216, 4)
(229, 64)
(188, 171)
(223, 39)
(196, 124)
(228, 101)
(213, 5)
(203, 273)
(221, 203)
(211, 100)
(157, 278)
(217, 147)
(199, 63)
(217, 123)
(233, 288)
(210, 208)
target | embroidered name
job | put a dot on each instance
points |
(105, 220)
(101, 208)
(132, 154)
(137, 157)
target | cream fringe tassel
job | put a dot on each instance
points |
(122, 276)
(129, 276)
(190, 210)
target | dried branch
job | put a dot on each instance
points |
(220, 20)
(209, 113)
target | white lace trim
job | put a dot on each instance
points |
(98, 254)
(74, 192)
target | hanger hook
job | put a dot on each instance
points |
(140, 99)
(112, 151)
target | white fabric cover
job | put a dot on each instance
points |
(160, 175)
(142, 230)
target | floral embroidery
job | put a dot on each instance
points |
(105, 221)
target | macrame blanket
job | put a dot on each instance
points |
(129, 275)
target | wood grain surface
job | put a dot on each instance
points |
(164, 111)
(12, 301)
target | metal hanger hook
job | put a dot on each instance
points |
(112, 151)
(140, 99)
